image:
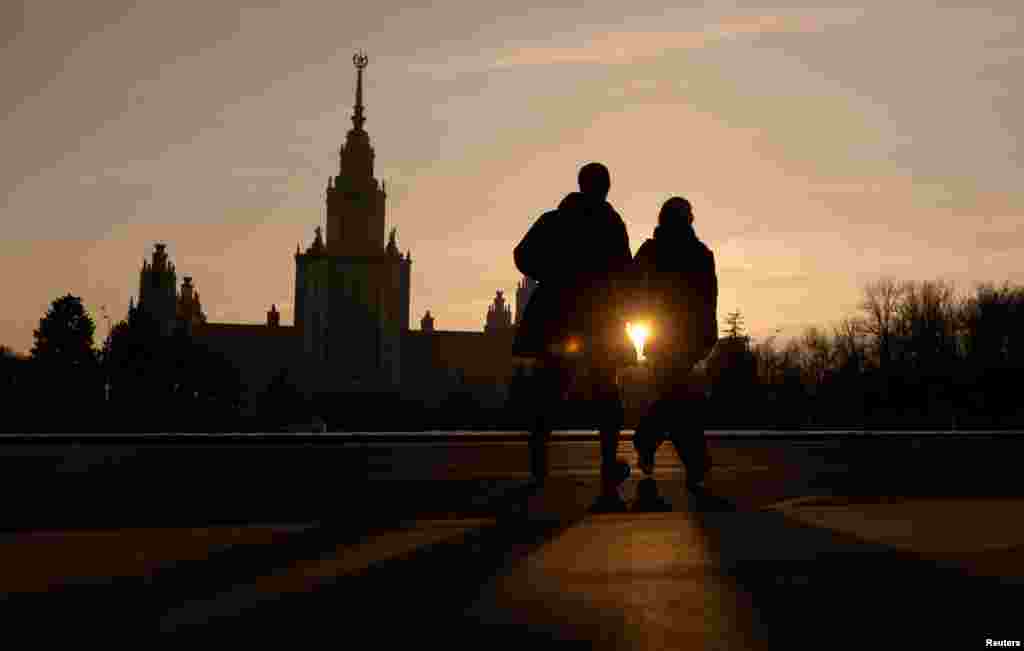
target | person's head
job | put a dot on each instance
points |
(595, 181)
(675, 212)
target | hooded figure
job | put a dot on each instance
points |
(576, 253)
(678, 287)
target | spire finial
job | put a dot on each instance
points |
(318, 242)
(359, 60)
(392, 247)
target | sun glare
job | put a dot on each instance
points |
(639, 333)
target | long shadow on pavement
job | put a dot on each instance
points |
(133, 606)
(809, 586)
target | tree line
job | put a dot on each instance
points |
(917, 354)
(137, 380)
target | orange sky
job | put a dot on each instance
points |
(820, 148)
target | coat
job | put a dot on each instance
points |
(578, 254)
(675, 284)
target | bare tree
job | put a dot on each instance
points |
(768, 367)
(926, 324)
(818, 354)
(848, 336)
(991, 324)
(880, 305)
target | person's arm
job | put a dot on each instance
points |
(620, 266)
(635, 281)
(625, 255)
(709, 300)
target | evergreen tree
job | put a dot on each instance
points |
(735, 322)
(65, 371)
(65, 334)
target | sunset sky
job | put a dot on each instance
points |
(821, 147)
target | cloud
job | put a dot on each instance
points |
(780, 280)
(765, 279)
(626, 47)
(998, 241)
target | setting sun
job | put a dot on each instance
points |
(639, 333)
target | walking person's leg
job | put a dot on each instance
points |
(688, 418)
(548, 384)
(650, 431)
(610, 416)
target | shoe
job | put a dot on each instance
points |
(695, 480)
(647, 498)
(695, 476)
(609, 504)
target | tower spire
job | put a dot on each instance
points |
(359, 59)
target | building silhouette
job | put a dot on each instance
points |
(523, 292)
(352, 295)
(499, 315)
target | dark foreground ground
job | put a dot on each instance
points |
(798, 542)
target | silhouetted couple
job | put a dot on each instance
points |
(589, 285)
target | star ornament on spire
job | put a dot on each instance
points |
(359, 60)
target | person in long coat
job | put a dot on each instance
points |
(676, 283)
(578, 254)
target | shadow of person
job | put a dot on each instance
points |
(700, 500)
(648, 500)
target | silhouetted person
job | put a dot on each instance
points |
(679, 287)
(573, 321)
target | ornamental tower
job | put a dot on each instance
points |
(355, 199)
(499, 314)
(352, 287)
(157, 297)
(523, 292)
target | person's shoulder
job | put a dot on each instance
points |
(572, 201)
(646, 252)
(706, 254)
(614, 218)
(647, 248)
(548, 217)
(705, 249)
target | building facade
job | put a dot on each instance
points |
(352, 306)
